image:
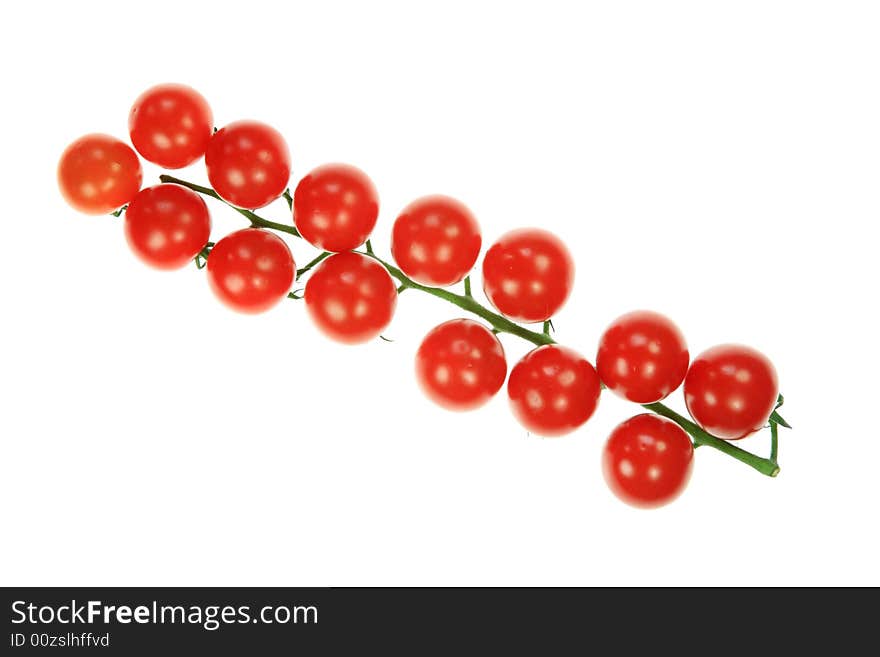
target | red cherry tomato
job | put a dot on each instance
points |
(553, 390)
(335, 207)
(170, 125)
(351, 298)
(642, 357)
(731, 390)
(248, 164)
(98, 174)
(436, 241)
(647, 461)
(460, 365)
(251, 270)
(167, 225)
(528, 274)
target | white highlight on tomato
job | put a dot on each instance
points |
(534, 399)
(444, 253)
(161, 140)
(156, 240)
(335, 311)
(361, 308)
(234, 283)
(469, 377)
(441, 374)
(509, 286)
(418, 253)
(566, 378)
(235, 178)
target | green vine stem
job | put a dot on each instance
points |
(255, 219)
(500, 324)
(310, 265)
(767, 467)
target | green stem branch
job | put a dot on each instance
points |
(774, 441)
(501, 324)
(256, 220)
(701, 437)
(303, 270)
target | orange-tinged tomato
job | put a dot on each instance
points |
(98, 174)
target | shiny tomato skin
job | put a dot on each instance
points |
(335, 207)
(528, 274)
(248, 164)
(98, 174)
(731, 390)
(436, 241)
(553, 390)
(460, 365)
(251, 270)
(647, 461)
(642, 357)
(351, 298)
(170, 125)
(167, 226)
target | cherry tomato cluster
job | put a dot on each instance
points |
(730, 391)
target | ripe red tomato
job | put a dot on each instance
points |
(642, 357)
(553, 390)
(251, 270)
(528, 274)
(170, 125)
(436, 241)
(731, 390)
(335, 207)
(647, 461)
(98, 174)
(460, 365)
(167, 225)
(248, 164)
(351, 297)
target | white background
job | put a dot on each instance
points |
(718, 162)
